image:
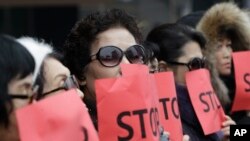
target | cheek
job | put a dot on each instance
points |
(218, 57)
(18, 103)
(181, 73)
(98, 72)
(48, 84)
(13, 88)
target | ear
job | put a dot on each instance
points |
(162, 66)
(82, 82)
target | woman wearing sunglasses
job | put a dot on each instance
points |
(226, 32)
(53, 76)
(97, 45)
(180, 52)
(16, 68)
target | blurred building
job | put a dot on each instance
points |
(53, 19)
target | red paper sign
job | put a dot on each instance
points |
(128, 106)
(62, 117)
(242, 78)
(134, 69)
(204, 100)
(168, 109)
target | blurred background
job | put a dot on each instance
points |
(53, 19)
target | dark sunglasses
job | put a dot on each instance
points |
(69, 83)
(111, 56)
(30, 96)
(194, 64)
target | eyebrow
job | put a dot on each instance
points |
(61, 75)
(26, 84)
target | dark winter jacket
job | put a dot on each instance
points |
(189, 120)
(218, 18)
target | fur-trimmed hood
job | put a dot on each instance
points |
(226, 16)
(220, 17)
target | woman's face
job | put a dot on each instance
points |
(190, 50)
(223, 56)
(19, 86)
(118, 37)
(55, 74)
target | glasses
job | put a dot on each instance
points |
(194, 64)
(30, 96)
(69, 83)
(111, 56)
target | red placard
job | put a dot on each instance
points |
(204, 100)
(128, 106)
(168, 108)
(134, 69)
(242, 78)
(62, 117)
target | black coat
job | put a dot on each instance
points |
(189, 120)
(240, 117)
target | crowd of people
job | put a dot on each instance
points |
(32, 70)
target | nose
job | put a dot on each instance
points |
(125, 60)
(80, 93)
(227, 52)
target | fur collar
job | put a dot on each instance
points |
(223, 15)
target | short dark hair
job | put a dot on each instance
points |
(76, 49)
(152, 50)
(15, 62)
(172, 37)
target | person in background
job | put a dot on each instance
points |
(97, 45)
(191, 19)
(152, 51)
(181, 51)
(53, 76)
(227, 29)
(16, 83)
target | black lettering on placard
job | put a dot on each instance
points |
(216, 101)
(125, 126)
(209, 94)
(154, 121)
(204, 102)
(211, 101)
(164, 104)
(247, 80)
(140, 113)
(85, 133)
(153, 117)
(174, 108)
(157, 121)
